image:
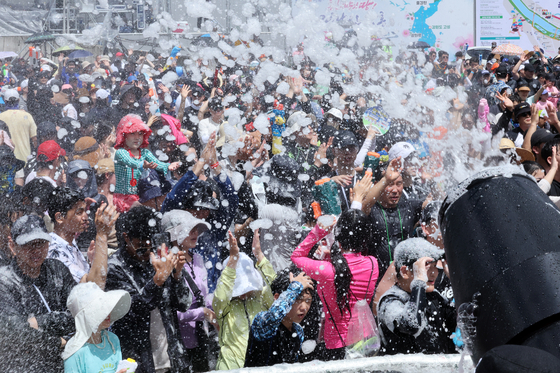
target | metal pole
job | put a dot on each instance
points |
(475, 23)
(65, 21)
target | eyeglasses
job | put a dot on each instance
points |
(523, 115)
(143, 250)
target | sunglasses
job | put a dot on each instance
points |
(143, 250)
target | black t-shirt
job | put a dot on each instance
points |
(534, 84)
(554, 189)
(397, 224)
(516, 135)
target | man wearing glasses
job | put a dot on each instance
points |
(522, 116)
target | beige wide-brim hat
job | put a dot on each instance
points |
(90, 306)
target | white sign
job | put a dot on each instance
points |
(522, 22)
(443, 24)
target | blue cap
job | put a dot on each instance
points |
(132, 78)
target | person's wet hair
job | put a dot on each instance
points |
(546, 150)
(531, 167)
(139, 222)
(352, 233)
(63, 200)
(36, 195)
(10, 208)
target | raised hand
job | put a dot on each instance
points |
(181, 260)
(209, 151)
(233, 251)
(507, 102)
(371, 133)
(361, 188)
(303, 279)
(105, 218)
(152, 119)
(257, 252)
(163, 265)
(420, 268)
(534, 115)
(322, 152)
(185, 91)
(393, 170)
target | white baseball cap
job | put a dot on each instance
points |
(10, 93)
(335, 113)
(102, 94)
(401, 149)
(24, 84)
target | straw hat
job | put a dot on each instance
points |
(525, 154)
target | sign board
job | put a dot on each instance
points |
(141, 17)
(522, 22)
(378, 118)
(443, 24)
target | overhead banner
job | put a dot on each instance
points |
(443, 24)
(522, 22)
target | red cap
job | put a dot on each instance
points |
(49, 151)
(119, 54)
(249, 127)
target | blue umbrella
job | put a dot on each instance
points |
(80, 53)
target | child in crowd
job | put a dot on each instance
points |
(94, 349)
(276, 335)
(131, 158)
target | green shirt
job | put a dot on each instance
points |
(125, 166)
(101, 358)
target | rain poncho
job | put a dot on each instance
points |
(24, 349)
(235, 316)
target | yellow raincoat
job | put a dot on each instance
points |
(235, 316)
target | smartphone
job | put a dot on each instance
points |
(161, 238)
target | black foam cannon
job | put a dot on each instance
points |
(502, 240)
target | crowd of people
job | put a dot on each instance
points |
(194, 214)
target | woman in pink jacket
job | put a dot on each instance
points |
(343, 279)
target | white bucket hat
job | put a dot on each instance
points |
(90, 306)
(247, 278)
(335, 113)
(180, 223)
